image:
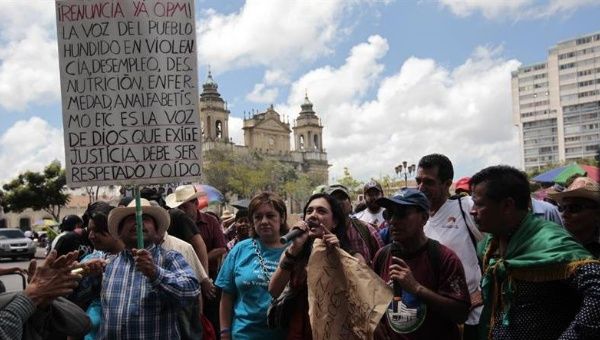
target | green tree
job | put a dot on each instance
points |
(38, 191)
(350, 182)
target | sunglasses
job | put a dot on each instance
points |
(576, 207)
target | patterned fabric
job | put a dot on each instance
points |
(360, 245)
(539, 251)
(563, 309)
(13, 316)
(135, 307)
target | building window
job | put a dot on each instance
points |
(219, 129)
(301, 142)
(316, 142)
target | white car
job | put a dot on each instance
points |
(14, 244)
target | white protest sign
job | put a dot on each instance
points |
(129, 91)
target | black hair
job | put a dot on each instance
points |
(96, 207)
(502, 182)
(273, 200)
(100, 219)
(125, 201)
(442, 163)
(338, 215)
(69, 222)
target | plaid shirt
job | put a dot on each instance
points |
(367, 248)
(133, 307)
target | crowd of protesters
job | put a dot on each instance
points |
(489, 262)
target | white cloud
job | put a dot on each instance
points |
(276, 77)
(235, 130)
(276, 32)
(28, 54)
(347, 84)
(29, 145)
(422, 108)
(262, 94)
(516, 9)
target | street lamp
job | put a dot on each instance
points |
(407, 170)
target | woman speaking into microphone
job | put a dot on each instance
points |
(323, 218)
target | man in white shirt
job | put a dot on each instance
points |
(451, 224)
(373, 214)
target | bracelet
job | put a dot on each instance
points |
(225, 330)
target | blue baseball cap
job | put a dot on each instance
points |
(404, 197)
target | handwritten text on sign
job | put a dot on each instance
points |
(129, 91)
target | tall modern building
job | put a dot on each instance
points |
(556, 104)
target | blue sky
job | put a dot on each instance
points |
(391, 80)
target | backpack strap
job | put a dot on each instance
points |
(473, 239)
(464, 216)
(435, 258)
(365, 234)
(381, 258)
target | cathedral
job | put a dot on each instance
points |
(267, 133)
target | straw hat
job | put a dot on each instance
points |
(582, 187)
(182, 194)
(227, 215)
(117, 215)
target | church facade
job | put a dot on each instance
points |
(266, 133)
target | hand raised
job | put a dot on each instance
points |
(52, 279)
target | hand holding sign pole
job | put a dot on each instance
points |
(139, 221)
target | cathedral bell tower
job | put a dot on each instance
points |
(214, 114)
(308, 131)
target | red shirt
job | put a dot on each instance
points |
(450, 283)
(213, 237)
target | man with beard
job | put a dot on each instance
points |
(373, 214)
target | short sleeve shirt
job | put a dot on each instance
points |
(211, 231)
(450, 283)
(242, 276)
(182, 226)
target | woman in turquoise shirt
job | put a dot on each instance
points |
(245, 273)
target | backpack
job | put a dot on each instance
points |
(433, 252)
(365, 234)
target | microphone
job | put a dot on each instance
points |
(291, 235)
(396, 251)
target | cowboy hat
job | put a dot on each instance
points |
(582, 187)
(117, 215)
(227, 215)
(182, 194)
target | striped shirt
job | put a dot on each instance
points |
(133, 307)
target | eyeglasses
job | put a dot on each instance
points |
(576, 207)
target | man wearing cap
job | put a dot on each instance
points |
(363, 237)
(538, 282)
(580, 206)
(462, 187)
(431, 294)
(143, 289)
(451, 224)
(374, 213)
